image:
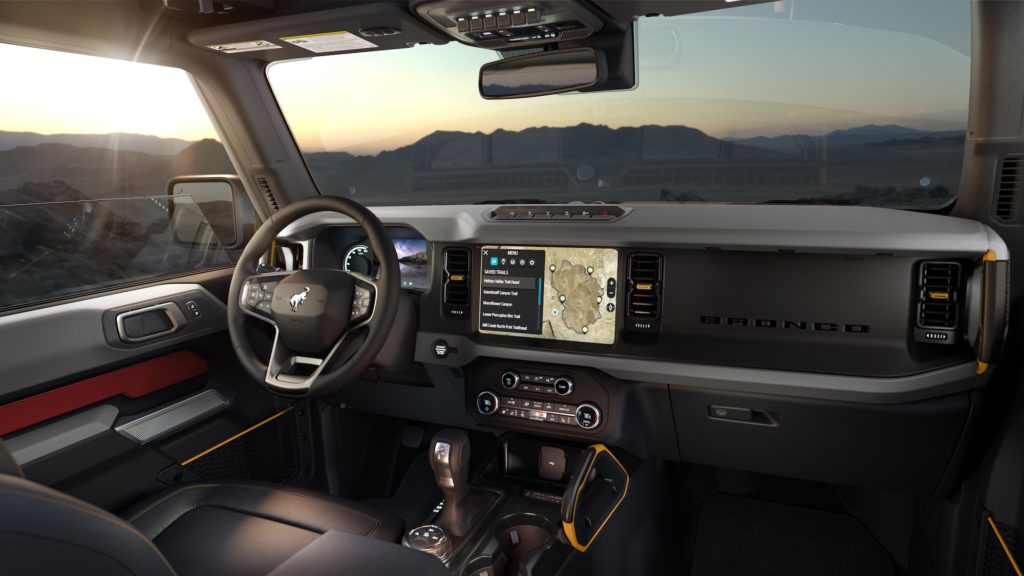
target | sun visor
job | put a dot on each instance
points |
(361, 28)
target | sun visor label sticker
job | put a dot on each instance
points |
(341, 41)
(239, 47)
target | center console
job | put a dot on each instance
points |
(519, 532)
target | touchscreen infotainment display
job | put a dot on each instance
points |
(554, 293)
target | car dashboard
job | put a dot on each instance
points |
(826, 343)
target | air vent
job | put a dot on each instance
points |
(1011, 186)
(268, 192)
(643, 311)
(938, 302)
(455, 301)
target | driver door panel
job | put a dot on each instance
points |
(111, 421)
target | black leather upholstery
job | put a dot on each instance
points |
(265, 525)
(337, 553)
(45, 532)
(235, 529)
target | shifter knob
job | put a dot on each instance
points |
(449, 459)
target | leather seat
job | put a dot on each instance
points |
(217, 528)
(256, 527)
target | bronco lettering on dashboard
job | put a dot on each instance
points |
(799, 325)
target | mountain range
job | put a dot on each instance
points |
(573, 162)
(869, 135)
(104, 172)
(154, 145)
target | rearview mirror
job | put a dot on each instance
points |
(208, 210)
(540, 74)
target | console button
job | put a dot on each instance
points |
(588, 416)
(510, 379)
(487, 403)
(440, 349)
(564, 385)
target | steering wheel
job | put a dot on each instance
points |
(314, 312)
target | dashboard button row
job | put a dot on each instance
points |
(585, 415)
(538, 416)
(560, 385)
(592, 213)
(537, 405)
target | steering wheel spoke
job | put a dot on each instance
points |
(257, 294)
(364, 299)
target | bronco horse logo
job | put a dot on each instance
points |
(298, 299)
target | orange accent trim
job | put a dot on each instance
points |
(236, 436)
(1006, 548)
(133, 381)
(569, 528)
(989, 256)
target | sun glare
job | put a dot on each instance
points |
(59, 93)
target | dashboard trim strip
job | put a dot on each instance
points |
(951, 380)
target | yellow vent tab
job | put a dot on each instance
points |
(938, 295)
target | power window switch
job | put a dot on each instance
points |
(731, 413)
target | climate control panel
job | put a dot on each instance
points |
(560, 385)
(586, 415)
(540, 398)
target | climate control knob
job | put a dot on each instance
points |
(564, 385)
(510, 379)
(588, 416)
(487, 403)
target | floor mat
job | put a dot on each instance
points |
(737, 535)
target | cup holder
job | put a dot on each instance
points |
(521, 539)
(519, 535)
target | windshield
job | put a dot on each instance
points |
(794, 101)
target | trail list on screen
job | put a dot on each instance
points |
(557, 293)
(512, 290)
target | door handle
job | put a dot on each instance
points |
(149, 323)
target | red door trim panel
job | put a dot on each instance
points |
(132, 381)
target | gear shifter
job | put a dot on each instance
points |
(449, 459)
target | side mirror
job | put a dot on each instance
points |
(542, 73)
(210, 210)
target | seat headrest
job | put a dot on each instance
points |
(7, 463)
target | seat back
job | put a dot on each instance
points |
(45, 532)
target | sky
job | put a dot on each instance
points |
(794, 66)
(737, 73)
(51, 92)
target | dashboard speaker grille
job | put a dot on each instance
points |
(938, 295)
(1011, 186)
(455, 299)
(644, 298)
